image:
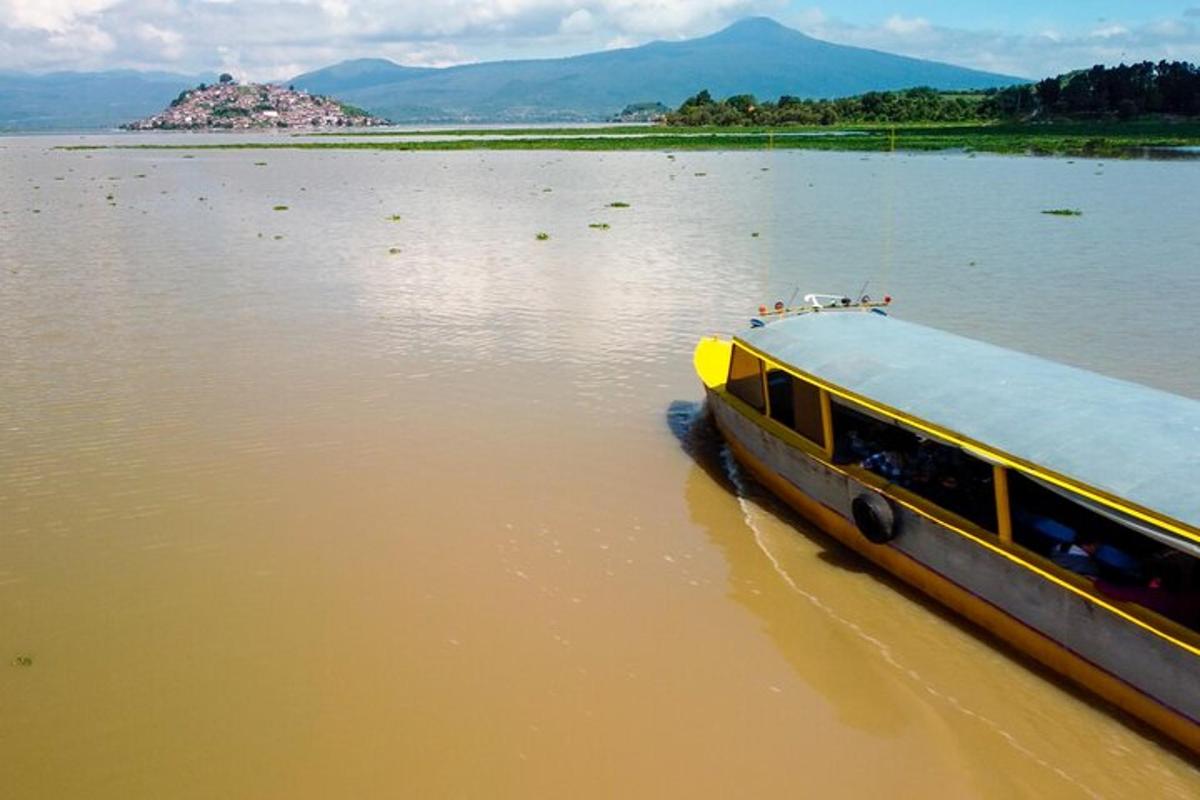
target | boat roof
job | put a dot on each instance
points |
(1129, 441)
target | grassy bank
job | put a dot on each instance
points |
(1088, 139)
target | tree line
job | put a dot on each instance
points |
(1124, 92)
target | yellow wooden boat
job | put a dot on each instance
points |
(1054, 507)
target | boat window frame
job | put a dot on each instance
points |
(821, 407)
(764, 395)
(931, 507)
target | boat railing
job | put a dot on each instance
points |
(815, 303)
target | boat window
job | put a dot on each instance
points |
(941, 473)
(745, 379)
(1123, 563)
(796, 403)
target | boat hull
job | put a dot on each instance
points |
(1129, 665)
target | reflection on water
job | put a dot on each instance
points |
(322, 502)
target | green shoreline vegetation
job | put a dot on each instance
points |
(1099, 139)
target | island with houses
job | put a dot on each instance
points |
(229, 105)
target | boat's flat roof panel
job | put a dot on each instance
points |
(1133, 442)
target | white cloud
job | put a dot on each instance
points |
(578, 21)
(83, 39)
(55, 16)
(902, 26)
(1110, 31)
(168, 42)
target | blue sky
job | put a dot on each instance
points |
(1012, 15)
(277, 39)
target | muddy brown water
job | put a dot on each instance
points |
(318, 503)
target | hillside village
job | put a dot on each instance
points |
(229, 105)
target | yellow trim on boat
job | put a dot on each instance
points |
(1003, 511)
(982, 450)
(827, 422)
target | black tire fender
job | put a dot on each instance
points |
(874, 516)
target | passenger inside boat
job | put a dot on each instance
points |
(1123, 564)
(1173, 590)
(1054, 525)
(940, 473)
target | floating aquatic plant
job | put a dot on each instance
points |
(542, 236)
(281, 208)
(600, 226)
(23, 660)
(618, 204)
(395, 251)
(1063, 212)
(394, 218)
(260, 163)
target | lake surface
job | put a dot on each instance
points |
(318, 503)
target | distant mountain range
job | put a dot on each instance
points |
(86, 100)
(756, 55)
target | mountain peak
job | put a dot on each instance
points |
(755, 28)
(756, 24)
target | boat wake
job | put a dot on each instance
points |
(756, 519)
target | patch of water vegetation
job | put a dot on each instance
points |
(280, 208)
(1063, 212)
(23, 660)
(394, 218)
(542, 236)
(600, 226)
(618, 204)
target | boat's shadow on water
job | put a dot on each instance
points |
(697, 435)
